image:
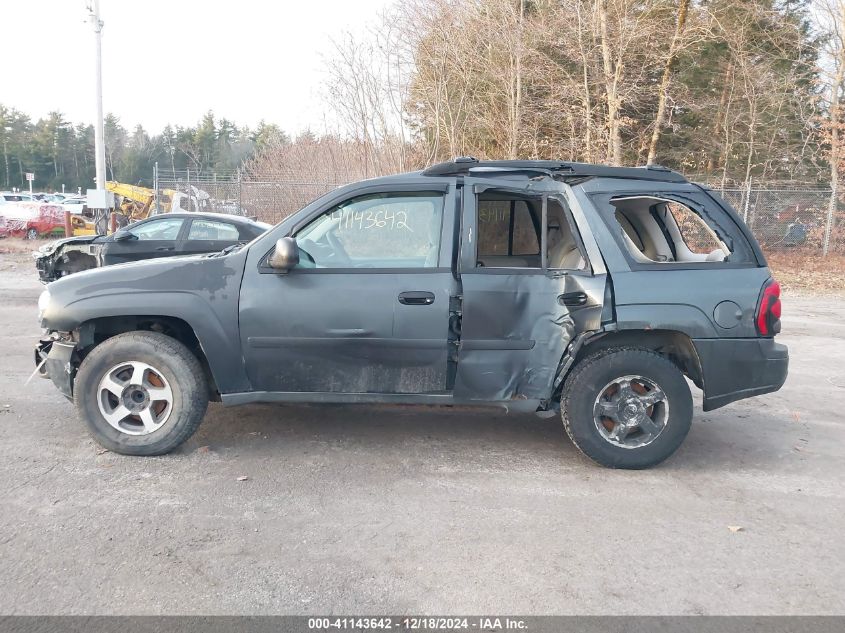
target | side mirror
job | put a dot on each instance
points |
(285, 256)
(122, 236)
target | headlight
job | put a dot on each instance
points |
(48, 249)
(43, 302)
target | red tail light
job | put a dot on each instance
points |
(768, 312)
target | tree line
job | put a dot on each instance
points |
(60, 152)
(728, 91)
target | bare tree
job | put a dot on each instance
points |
(663, 90)
(594, 80)
(832, 13)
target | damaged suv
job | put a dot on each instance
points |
(590, 291)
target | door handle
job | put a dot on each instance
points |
(416, 298)
(573, 299)
(164, 248)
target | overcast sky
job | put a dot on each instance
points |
(170, 61)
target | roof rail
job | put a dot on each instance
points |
(466, 165)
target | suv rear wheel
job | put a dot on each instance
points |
(141, 393)
(626, 407)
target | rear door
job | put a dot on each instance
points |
(528, 288)
(205, 235)
(152, 238)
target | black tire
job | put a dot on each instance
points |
(583, 386)
(32, 234)
(176, 364)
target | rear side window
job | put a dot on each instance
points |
(698, 237)
(211, 230)
(663, 229)
(494, 222)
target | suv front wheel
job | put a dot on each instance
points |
(626, 407)
(141, 393)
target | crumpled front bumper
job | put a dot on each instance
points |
(54, 360)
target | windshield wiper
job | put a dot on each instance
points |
(227, 250)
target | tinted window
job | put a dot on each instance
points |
(494, 220)
(164, 229)
(379, 231)
(493, 226)
(210, 230)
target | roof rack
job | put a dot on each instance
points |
(466, 165)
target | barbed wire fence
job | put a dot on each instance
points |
(792, 217)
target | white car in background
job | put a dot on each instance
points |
(74, 205)
(9, 196)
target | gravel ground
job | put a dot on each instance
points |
(374, 510)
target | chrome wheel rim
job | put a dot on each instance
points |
(135, 398)
(631, 411)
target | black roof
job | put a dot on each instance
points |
(562, 170)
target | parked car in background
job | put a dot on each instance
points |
(584, 291)
(32, 219)
(159, 236)
(74, 205)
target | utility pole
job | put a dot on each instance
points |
(99, 145)
(99, 200)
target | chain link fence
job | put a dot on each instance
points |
(270, 199)
(781, 218)
(789, 218)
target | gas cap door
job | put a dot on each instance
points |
(727, 314)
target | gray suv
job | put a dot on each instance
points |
(544, 286)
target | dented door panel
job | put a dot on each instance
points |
(515, 331)
(516, 323)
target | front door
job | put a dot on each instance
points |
(527, 289)
(157, 237)
(367, 308)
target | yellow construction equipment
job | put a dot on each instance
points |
(134, 202)
(137, 203)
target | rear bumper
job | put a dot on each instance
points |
(54, 361)
(740, 368)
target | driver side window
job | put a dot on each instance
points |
(164, 229)
(395, 230)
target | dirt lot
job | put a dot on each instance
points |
(369, 510)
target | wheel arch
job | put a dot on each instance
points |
(676, 346)
(95, 331)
